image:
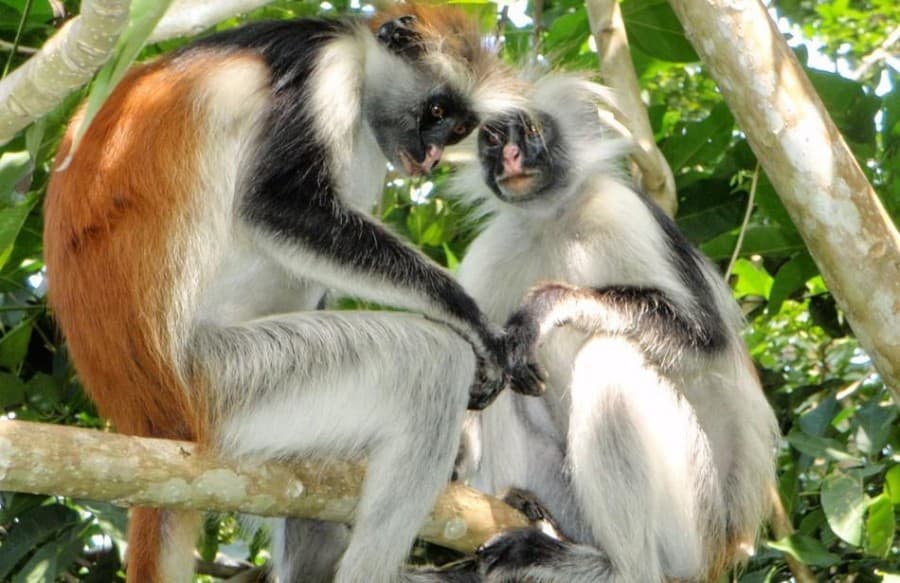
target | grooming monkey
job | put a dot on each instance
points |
(653, 446)
(216, 195)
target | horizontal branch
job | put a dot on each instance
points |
(134, 471)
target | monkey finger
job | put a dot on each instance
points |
(529, 381)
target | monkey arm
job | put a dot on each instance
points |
(663, 329)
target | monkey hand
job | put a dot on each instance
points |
(489, 381)
(526, 376)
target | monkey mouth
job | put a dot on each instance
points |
(518, 184)
(414, 168)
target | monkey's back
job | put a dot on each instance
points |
(114, 214)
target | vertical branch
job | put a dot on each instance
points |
(617, 72)
(835, 209)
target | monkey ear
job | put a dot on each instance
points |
(400, 37)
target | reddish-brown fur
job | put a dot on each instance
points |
(110, 222)
(114, 214)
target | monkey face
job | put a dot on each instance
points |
(522, 156)
(414, 138)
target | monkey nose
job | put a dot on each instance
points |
(512, 159)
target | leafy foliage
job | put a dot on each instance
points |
(838, 469)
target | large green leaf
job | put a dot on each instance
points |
(819, 447)
(700, 143)
(11, 220)
(31, 529)
(752, 279)
(708, 209)
(654, 28)
(805, 549)
(766, 240)
(791, 277)
(144, 16)
(844, 504)
(880, 526)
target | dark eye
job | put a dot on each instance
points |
(533, 131)
(437, 111)
(460, 129)
(491, 138)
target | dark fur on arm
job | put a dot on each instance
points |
(647, 315)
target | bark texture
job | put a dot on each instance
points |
(617, 72)
(835, 209)
(66, 62)
(134, 471)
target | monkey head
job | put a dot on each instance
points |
(522, 156)
(424, 93)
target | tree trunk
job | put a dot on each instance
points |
(134, 471)
(835, 209)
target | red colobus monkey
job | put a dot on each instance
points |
(216, 195)
(653, 445)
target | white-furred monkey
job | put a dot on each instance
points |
(653, 445)
(217, 193)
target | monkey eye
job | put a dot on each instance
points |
(460, 129)
(437, 111)
(533, 131)
(492, 138)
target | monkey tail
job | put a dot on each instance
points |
(161, 545)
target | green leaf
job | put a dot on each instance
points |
(12, 390)
(14, 166)
(875, 424)
(53, 558)
(752, 279)
(708, 208)
(758, 239)
(700, 142)
(791, 276)
(14, 345)
(565, 36)
(819, 447)
(11, 220)
(880, 526)
(32, 529)
(892, 484)
(805, 549)
(653, 27)
(144, 16)
(844, 504)
(815, 421)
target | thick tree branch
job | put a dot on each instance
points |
(617, 71)
(132, 471)
(835, 209)
(190, 17)
(75, 53)
(67, 61)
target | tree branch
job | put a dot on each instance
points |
(133, 471)
(835, 209)
(617, 71)
(67, 61)
(190, 17)
(75, 53)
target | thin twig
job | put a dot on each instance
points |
(747, 213)
(13, 47)
(12, 53)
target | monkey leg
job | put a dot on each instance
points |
(391, 388)
(641, 465)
